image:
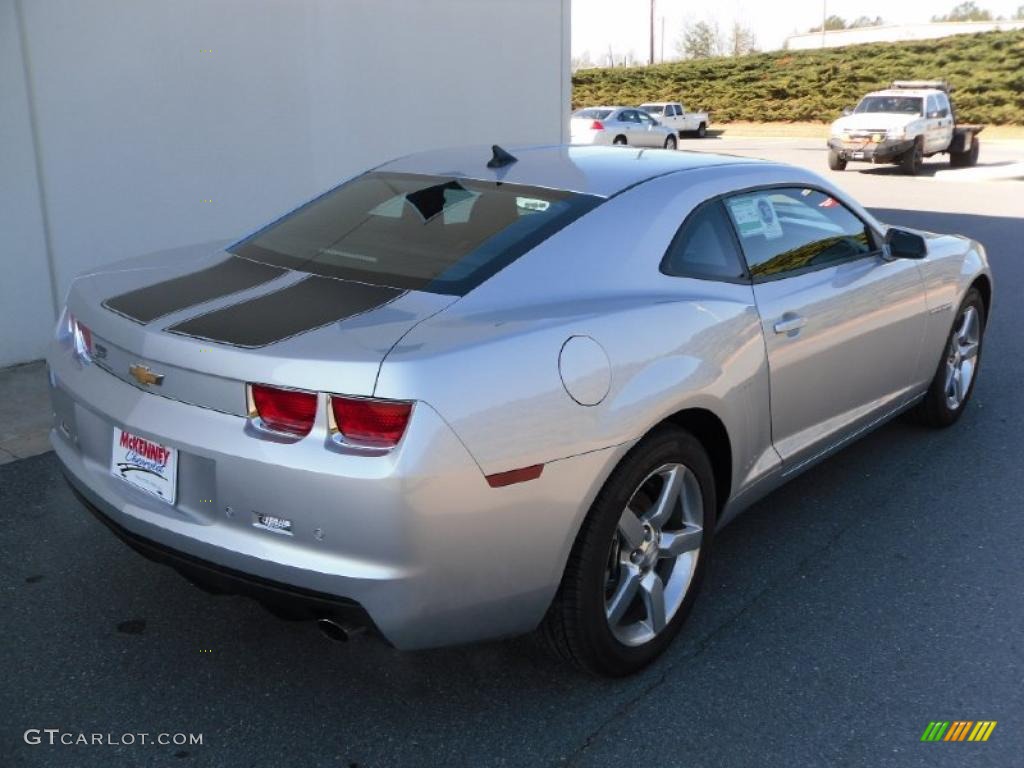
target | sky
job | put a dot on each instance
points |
(624, 23)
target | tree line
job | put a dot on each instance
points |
(704, 39)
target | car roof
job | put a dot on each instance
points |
(595, 170)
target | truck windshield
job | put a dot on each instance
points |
(901, 105)
(440, 234)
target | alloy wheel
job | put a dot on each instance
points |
(962, 357)
(653, 555)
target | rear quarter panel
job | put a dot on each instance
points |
(489, 363)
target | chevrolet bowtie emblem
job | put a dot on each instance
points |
(144, 375)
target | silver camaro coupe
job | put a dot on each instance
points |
(468, 395)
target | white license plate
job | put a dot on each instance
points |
(857, 155)
(146, 464)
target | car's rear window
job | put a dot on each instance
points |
(592, 114)
(428, 233)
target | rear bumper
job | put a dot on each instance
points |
(216, 579)
(416, 538)
(872, 152)
(598, 138)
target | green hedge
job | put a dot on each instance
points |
(986, 72)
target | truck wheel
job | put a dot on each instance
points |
(620, 141)
(702, 130)
(836, 161)
(965, 159)
(912, 159)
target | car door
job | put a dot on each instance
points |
(627, 125)
(685, 120)
(675, 122)
(932, 130)
(843, 324)
(945, 129)
(648, 132)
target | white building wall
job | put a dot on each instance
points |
(155, 125)
(26, 306)
(895, 32)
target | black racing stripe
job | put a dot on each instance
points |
(308, 304)
(227, 277)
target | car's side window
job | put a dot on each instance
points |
(705, 247)
(682, 108)
(643, 117)
(943, 105)
(790, 230)
(630, 116)
(932, 108)
(671, 110)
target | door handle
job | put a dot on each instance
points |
(790, 323)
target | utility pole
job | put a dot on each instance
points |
(824, 18)
(650, 58)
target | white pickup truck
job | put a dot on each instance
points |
(674, 115)
(909, 121)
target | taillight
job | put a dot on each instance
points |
(597, 125)
(370, 423)
(83, 340)
(284, 410)
(75, 335)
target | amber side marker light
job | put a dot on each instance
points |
(514, 476)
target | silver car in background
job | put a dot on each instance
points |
(469, 395)
(620, 126)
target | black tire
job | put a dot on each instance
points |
(619, 141)
(912, 159)
(702, 130)
(576, 628)
(836, 161)
(670, 142)
(965, 159)
(935, 409)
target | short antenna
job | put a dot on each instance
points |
(500, 158)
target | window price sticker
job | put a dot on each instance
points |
(755, 215)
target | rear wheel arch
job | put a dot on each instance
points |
(709, 430)
(711, 433)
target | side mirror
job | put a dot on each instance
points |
(847, 111)
(905, 245)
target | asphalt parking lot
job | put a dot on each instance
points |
(878, 592)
